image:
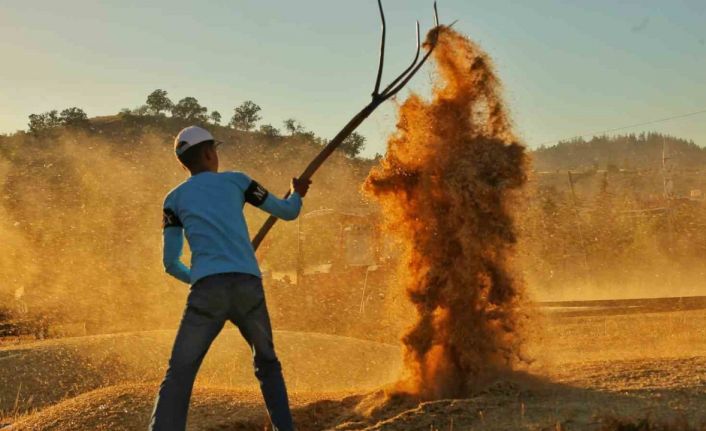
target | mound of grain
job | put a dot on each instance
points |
(38, 374)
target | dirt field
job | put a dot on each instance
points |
(603, 371)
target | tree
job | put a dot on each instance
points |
(74, 118)
(270, 131)
(157, 101)
(215, 117)
(41, 123)
(141, 111)
(189, 109)
(296, 129)
(353, 144)
(246, 116)
(293, 127)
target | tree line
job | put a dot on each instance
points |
(629, 152)
(188, 110)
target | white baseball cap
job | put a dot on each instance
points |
(190, 136)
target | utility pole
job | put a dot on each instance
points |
(667, 168)
(579, 228)
(668, 181)
(668, 189)
(300, 251)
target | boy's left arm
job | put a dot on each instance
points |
(173, 235)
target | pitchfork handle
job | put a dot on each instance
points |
(315, 164)
(377, 98)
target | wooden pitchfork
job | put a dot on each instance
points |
(378, 97)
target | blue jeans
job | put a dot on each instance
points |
(213, 300)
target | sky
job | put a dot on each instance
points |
(568, 67)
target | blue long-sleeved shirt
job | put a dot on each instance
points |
(208, 209)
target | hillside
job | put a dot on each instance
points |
(81, 208)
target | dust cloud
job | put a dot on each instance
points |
(446, 186)
(80, 217)
(85, 240)
(81, 265)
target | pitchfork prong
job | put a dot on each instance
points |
(402, 79)
(412, 70)
(377, 98)
(403, 74)
(410, 75)
(436, 16)
(382, 51)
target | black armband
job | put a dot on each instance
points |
(255, 194)
(170, 219)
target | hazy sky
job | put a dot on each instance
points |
(569, 67)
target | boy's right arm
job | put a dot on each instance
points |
(285, 209)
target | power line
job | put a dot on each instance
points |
(615, 129)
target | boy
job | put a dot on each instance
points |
(224, 276)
